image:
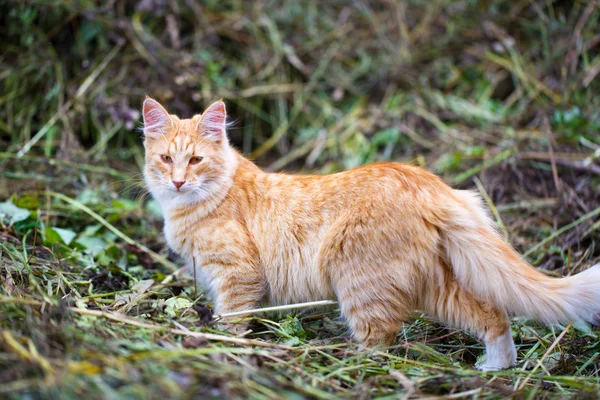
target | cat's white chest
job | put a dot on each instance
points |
(170, 238)
(182, 244)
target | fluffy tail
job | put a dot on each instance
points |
(483, 262)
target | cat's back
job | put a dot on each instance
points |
(291, 199)
(372, 181)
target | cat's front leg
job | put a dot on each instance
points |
(237, 288)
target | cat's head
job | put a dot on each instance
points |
(187, 160)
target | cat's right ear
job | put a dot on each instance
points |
(156, 119)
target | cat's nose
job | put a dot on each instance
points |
(178, 185)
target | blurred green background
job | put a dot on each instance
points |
(502, 89)
(496, 95)
(330, 84)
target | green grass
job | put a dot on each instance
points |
(499, 96)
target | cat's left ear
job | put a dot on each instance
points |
(156, 119)
(213, 122)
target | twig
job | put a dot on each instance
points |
(311, 304)
(460, 395)
(574, 52)
(534, 155)
(548, 130)
(532, 204)
(575, 161)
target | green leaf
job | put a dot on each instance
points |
(29, 202)
(124, 204)
(584, 327)
(292, 327)
(66, 235)
(143, 285)
(91, 230)
(385, 136)
(9, 213)
(89, 30)
(176, 304)
(92, 244)
(113, 255)
(53, 235)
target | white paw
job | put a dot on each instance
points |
(485, 367)
(500, 353)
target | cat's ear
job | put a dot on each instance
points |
(213, 122)
(156, 119)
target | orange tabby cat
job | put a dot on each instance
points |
(382, 239)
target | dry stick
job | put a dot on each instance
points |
(310, 304)
(267, 89)
(575, 51)
(565, 228)
(548, 130)
(195, 277)
(536, 155)
(80, 92)
(579, 162)
(546, 354)
(532, 204)
(592, 228)
(110, 227)
(460, 395)
(591, 74)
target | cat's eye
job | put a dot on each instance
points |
(195, 160)
(166, 159)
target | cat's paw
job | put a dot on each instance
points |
(489, 367)
(500, 353)
(499, 361)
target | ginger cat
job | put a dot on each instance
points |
(382, 239)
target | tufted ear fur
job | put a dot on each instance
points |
(156, 119)
(212, 123)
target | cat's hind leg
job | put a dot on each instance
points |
(458, 307)
(365, 263)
